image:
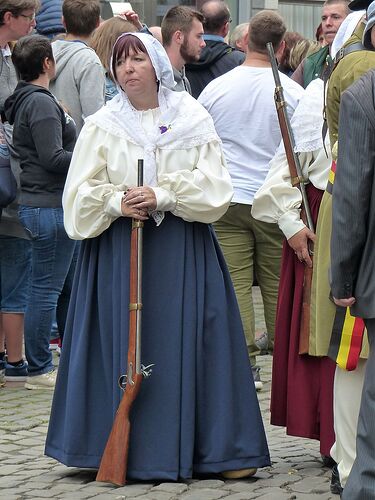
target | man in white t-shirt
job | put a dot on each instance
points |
(242, 106)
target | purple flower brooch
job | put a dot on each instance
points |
(163, 128)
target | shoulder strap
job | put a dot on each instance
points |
(344, 51)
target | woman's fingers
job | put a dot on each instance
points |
(142, 197)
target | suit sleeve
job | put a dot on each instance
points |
(351, 194)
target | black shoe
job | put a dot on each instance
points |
(328, 461)
(335, 486)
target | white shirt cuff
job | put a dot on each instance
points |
(290, 223)
(165, 200)
(112, 205)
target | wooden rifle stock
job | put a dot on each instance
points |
(113, 465)
(297, 180)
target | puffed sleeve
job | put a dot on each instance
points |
(202, 194)
(277, 200)
(90, 201)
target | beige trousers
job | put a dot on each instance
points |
(347, 392)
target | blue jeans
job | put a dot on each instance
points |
(51, 259)
(15, 259)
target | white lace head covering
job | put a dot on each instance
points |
(345, 30)
(183, 123)
(307, 120)
(158, 56)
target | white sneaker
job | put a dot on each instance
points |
(44, 381)
(257, 382)
(2, 377)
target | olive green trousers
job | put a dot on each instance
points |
(251, 248)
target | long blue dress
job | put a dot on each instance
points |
(198, 412)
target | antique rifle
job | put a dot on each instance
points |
(113, 465)
(296, 180)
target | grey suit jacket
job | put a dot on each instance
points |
(353, 219)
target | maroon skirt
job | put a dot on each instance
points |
(302, 385)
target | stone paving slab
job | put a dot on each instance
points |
(25, 473)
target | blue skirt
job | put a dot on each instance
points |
(198, 412)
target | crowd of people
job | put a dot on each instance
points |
(81, 102)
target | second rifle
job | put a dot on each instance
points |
(298, 181)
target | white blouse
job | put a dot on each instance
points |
(278, 201)
(193, 184)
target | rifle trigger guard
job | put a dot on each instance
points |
(122, 382)
(146, 370)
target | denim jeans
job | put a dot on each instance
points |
(15, 260)
(64, 298)
(51, 259)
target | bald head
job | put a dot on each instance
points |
(216, 16)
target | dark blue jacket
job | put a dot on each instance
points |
(217, 57)
(48, 18)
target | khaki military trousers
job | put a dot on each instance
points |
(250, 246)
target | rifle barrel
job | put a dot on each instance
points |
(138, 368)
(287, 135)
(114, 462)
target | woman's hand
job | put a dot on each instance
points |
(300, 244)
(133, 18)
(137, 202)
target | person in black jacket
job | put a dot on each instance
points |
(43, 137)
(217, 57)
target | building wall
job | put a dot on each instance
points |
(302, 16)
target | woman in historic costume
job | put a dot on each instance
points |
(198, 412)
(302, 385)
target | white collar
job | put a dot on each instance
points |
(6, 51)
(183, 123)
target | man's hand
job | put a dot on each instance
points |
(344, 302)
(299, 243)
(133, 18)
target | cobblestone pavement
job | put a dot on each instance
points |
(25, 473)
